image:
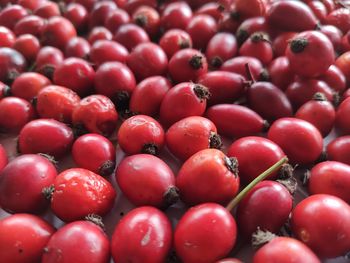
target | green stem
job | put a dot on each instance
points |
(253, 183)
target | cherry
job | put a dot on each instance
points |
(176, 15)
(107, 50)
(152, 88)
(81, 75)
(77, 15)
(116, 81)
(331, 178)
(23, 238)
(78, 192)
(318, 112)
(251, 211)
(285, 249)
(148, 18)
(93, 244)
(183, 100)
(28, 45)
(99, 33)
(7, 37)
(96, 114)
(29, 25)
(115, 19)
(28, 84)
(201, 28)
(173, 40)
(221, 47)
(15, 113)
(292, 133)
(47, 9)
(238, 65)
(102, 153)
(47, 60)
(21, 182)
(187, 65)
(56, 102)
(58, 138)
(205, 233)
(77, 47)
(258, 46)
(12, 63)
(254, 155)
(322, 222)
(57, 32)
(146, 60)
(130, 35)
(235, 121)
(11, 14)
(138, 234)
(190, 135)
(310, 54)
(338, 149)
(133, 179)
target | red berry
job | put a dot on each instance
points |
(221, 47)
(173, 40)
(339, 149)
(7, 37)
(107, 50)
(130, 35)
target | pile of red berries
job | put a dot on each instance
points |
(204, 100)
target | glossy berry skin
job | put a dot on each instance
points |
(268, 101)
(29, 25)
(294, 136)
(254, 155)
(15, 113)
(101, 158)
(22, 181)
(79, 192)
(115, 80)
(115, 19)
(78, 15)
(238, 65)
(146, 60)
(234, 120)
(99, 33)
(3, 157)
(100, 11)
(12, 64)
(229, 260)
(141, 134)
(334, 34)
(201, 28)
(97, 114)
(310, 54)
(138, 234)
(93, 244)
(322, 222)
(250, 26)
(107, 50)
(58, 138)
(342, 63)
(77, 47)
(28, 45)
(280, 43)
(173, 40)
(187, 65)
(285, 249)
(148, 18)
(130, 35)
(176, 15)
(335, 78)
(28, 85)
(221, 47)
(147, 180)
(11, 14)
(339, 149)
(257, 46)
(81, 75)
(47, 60)
(265, 196)
(47, 9)
(302, 90)
(17, 247)
(331, 178)
(57, 32)
(7, 37)
(340, 19)
(211, 230)
(208, 176)
(152, 88)
(224, 87)
(318, 112)
(57, 102)
(342, 116)
(190, 135)
(183, 100)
